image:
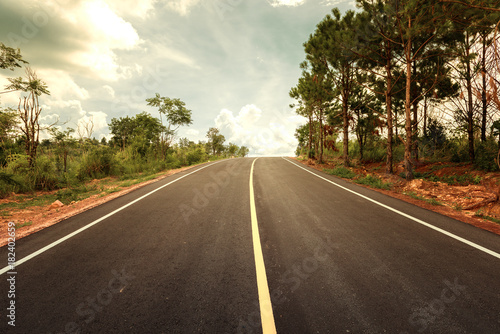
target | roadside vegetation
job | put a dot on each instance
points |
(140, 146)
(403, 83)
(404, 96)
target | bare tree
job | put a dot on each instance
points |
(29, 109)
(85, 128)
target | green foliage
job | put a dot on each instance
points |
(10, 58)
(374, 182)
(341, 171)
(141, 132)
(98, 163)
(459, 150)
(486, 154)
(195, 156)
(25, 178)
(44, 174)
(215, 141)
(435, 138)
(28, 223)
(431, 201)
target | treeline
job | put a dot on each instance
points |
(140, 145)
(403, 81)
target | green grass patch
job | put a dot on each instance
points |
(374, 182)
(452, 180)
(432, 201)
(495, 220)
(24, 202)
(480, 213)
(28, 223)
(341, 172)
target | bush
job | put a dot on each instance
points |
(486, 154)
(459, 150)
(7, 184)
(98, 163)
(195, 156)
(341, 172)
(44, 174)
(373, 181)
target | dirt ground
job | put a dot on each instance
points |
(465, 202)
(45, 216)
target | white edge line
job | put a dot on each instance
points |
(451, 235)
(57, 242)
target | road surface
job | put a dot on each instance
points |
(291, 250)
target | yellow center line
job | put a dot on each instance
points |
(266, 308)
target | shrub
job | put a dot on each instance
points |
(374, 181)
(486, 153)
(98, 163)
(44, 174)
(341, 172)
(195, 156)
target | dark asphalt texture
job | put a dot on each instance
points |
(181, 261)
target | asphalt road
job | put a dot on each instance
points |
(179, 256)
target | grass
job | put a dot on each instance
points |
(28, 223)
(464, 179)
(341, 172)
(25, 201)
(480, 213)
(431, 201)
(73, 194)
(374, 181)
(495, 220)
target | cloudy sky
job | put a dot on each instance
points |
(232, 62)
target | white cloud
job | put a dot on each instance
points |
(115, 31)
(62, 86)
(291, 3)
(181, 6)
(171, 54)
(270, 135)
(95, 31)
(109, 91)
(138, 8)
(193, 132)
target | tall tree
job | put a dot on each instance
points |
(329, 51)
(29, 109)
(314, 91)
(421, 26)
(377, 57)
(64, 141)
(176, 115)
(215, 141)
(141, 131)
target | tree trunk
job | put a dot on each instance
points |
(425, 116)
(483, 92)
(388, 103)
(414, 125)
(407, 156)
(309, 152)
(470, 111)
(345, 102)
(320, 135)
